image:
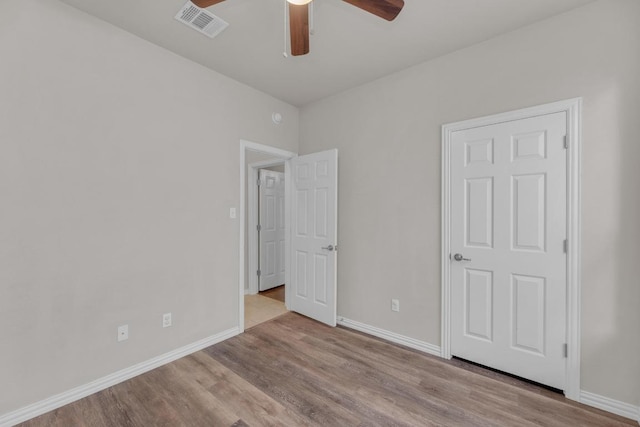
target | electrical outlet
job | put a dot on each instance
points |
(123, 333)
(232, 213)
(166, 320)
(395, 305)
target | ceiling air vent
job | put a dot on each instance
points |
(201, 20)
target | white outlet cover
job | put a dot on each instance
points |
(232, 213)
(395, 305)
(123, 333)
(166, 320)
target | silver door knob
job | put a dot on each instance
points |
(330, 248)
(459, 257)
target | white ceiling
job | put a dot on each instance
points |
(349, 46)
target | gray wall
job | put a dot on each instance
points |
(388, 136)
(119, 162)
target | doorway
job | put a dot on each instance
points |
(266, 267)
(311, 231)
(510, 243)
(271, 245)
(253, 158)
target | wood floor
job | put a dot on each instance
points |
(292, 371)
(276, 293)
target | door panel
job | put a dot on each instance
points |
(479, 304)
(314, 235)
(271, 234)
(479, 212)
(508, 204)
(529, 212)
(528, 313)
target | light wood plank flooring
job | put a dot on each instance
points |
(292, 371)
(276, 293)
(260, 308)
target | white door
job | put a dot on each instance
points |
(314, 208)
(271, 229)
(508, 223)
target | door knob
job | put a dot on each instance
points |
(330, 248)
(459, 257)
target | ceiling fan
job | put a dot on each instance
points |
(299, 17)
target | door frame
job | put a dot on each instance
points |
(252, 221)
(573, 109)
(282, 155)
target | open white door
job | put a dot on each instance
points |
(314, 232)
(271, 229)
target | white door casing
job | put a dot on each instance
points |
(314, 202)
(271, 229)
(478, 286)
(281, 247)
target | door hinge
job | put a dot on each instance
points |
(565, 350)
(566, 142)
(259, 227)
(258, 182)
(565, 246)
(259, 273)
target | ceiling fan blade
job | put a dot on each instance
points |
(205, 3)
(385, 9)
(299, 29)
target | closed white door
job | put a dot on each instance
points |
(271, 229)
(314, 233)
(508, 261)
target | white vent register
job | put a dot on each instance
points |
(201, 20)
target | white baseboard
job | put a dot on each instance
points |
(610, 405)
(69, 396)
(391, 336)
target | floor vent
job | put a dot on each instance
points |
(201, 20)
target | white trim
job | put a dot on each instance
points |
(574, 252)
(288, 188)
(390, 336)
(266, 149)
(275, 152)
(610, 405)
(69, 396)
(252, 212)
(445, 335)
(573, 108)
